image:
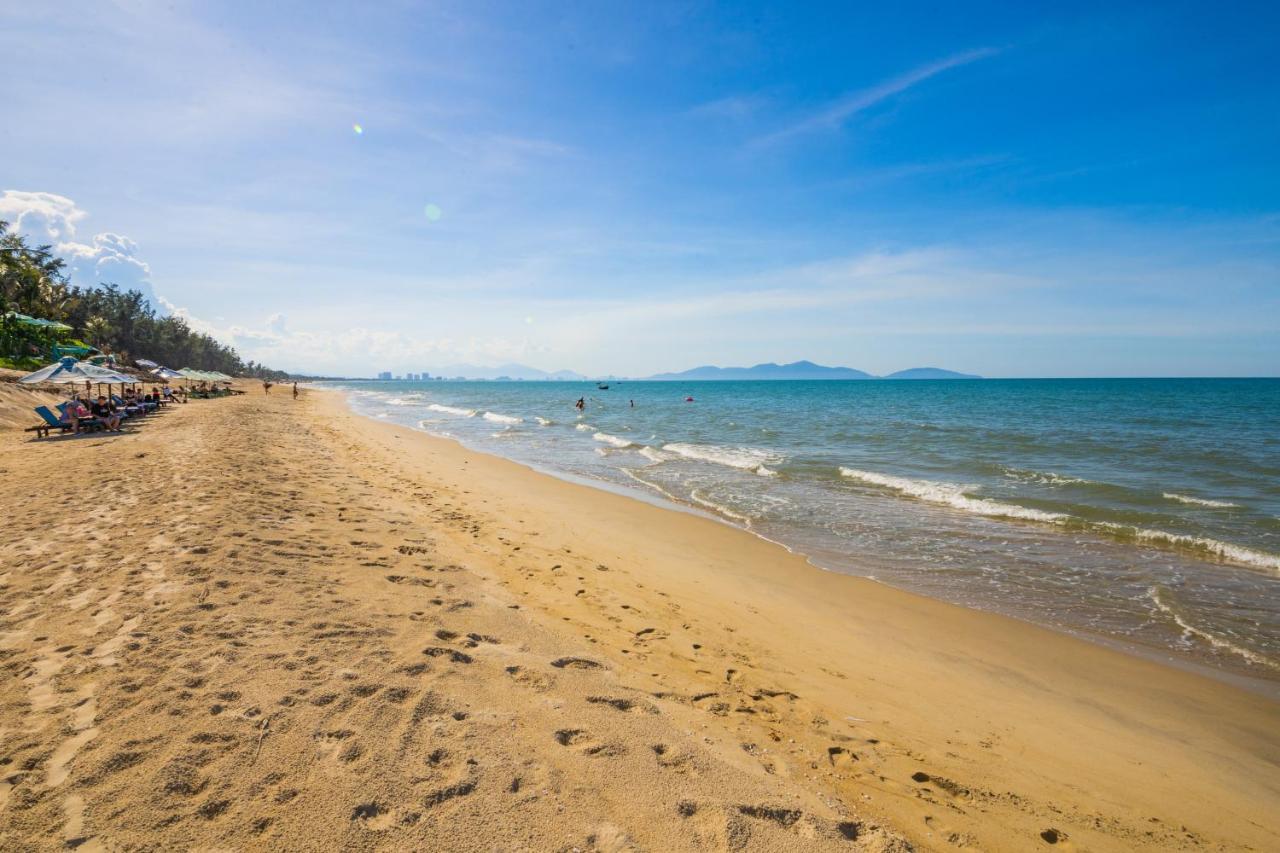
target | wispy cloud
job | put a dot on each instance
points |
(732, 107)
(841, 110)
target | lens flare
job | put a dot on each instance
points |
(433, 212)
(358, 129)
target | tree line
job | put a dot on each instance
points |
(33, 281)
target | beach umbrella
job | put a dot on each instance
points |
(37, 322)
(68, 371)
(167, 373)
(145, 362)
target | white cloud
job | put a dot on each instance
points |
(840, 111)
(48, 218)
(44, 217)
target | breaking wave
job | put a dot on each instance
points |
(452, 410)
(1187, 499)
(743, 458)
(1226, 551)
(614, 440)
(653, 454)
(501, 419)
(952, 495)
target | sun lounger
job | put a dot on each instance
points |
(52, 422)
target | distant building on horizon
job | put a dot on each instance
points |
(384, 375)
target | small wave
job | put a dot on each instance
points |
(952, 495)
(642, 481)
(1237, 554)
(452, 410)
(653, 454)
(1047, 478)
(544, 421)
(614, 440)
(407, 400)
(1187, 499)
(723, 510)
(501, 419)
(743, 458)
(1188, 631)
(584, 427)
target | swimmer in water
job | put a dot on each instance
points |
(580, 405)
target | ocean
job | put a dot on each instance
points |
(1138, 511)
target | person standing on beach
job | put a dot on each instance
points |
(295, 390)
(266, 387)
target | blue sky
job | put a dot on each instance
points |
(1069, 190)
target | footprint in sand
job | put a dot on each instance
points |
(588, 746)
(82, 719)
(576, 663)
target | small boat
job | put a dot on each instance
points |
(602, 386)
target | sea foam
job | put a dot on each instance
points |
(952, 495)
(614, 440)
(1187, 499)
(1157, 597)
(743, 458)
(501, 419)
(655, 455)
(452, 410)
(698, 498)
(1226, 551)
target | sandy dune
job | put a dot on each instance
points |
(260, 623)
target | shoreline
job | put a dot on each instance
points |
(1041, 672)
(293, 625)
(1262, 686)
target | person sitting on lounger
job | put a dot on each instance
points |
(105, 410)
(73, 412)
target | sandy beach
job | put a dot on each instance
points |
(260, 623)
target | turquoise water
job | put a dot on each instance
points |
(1146, 511)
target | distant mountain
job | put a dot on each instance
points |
(929, 373)
(505, 371)
(795, 370)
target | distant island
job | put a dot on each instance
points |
(804, 370)
(769, 370)
(929, 373)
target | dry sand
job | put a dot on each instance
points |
(258, 623)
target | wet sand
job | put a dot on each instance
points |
(261, 623)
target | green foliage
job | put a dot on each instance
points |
(34, 282)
